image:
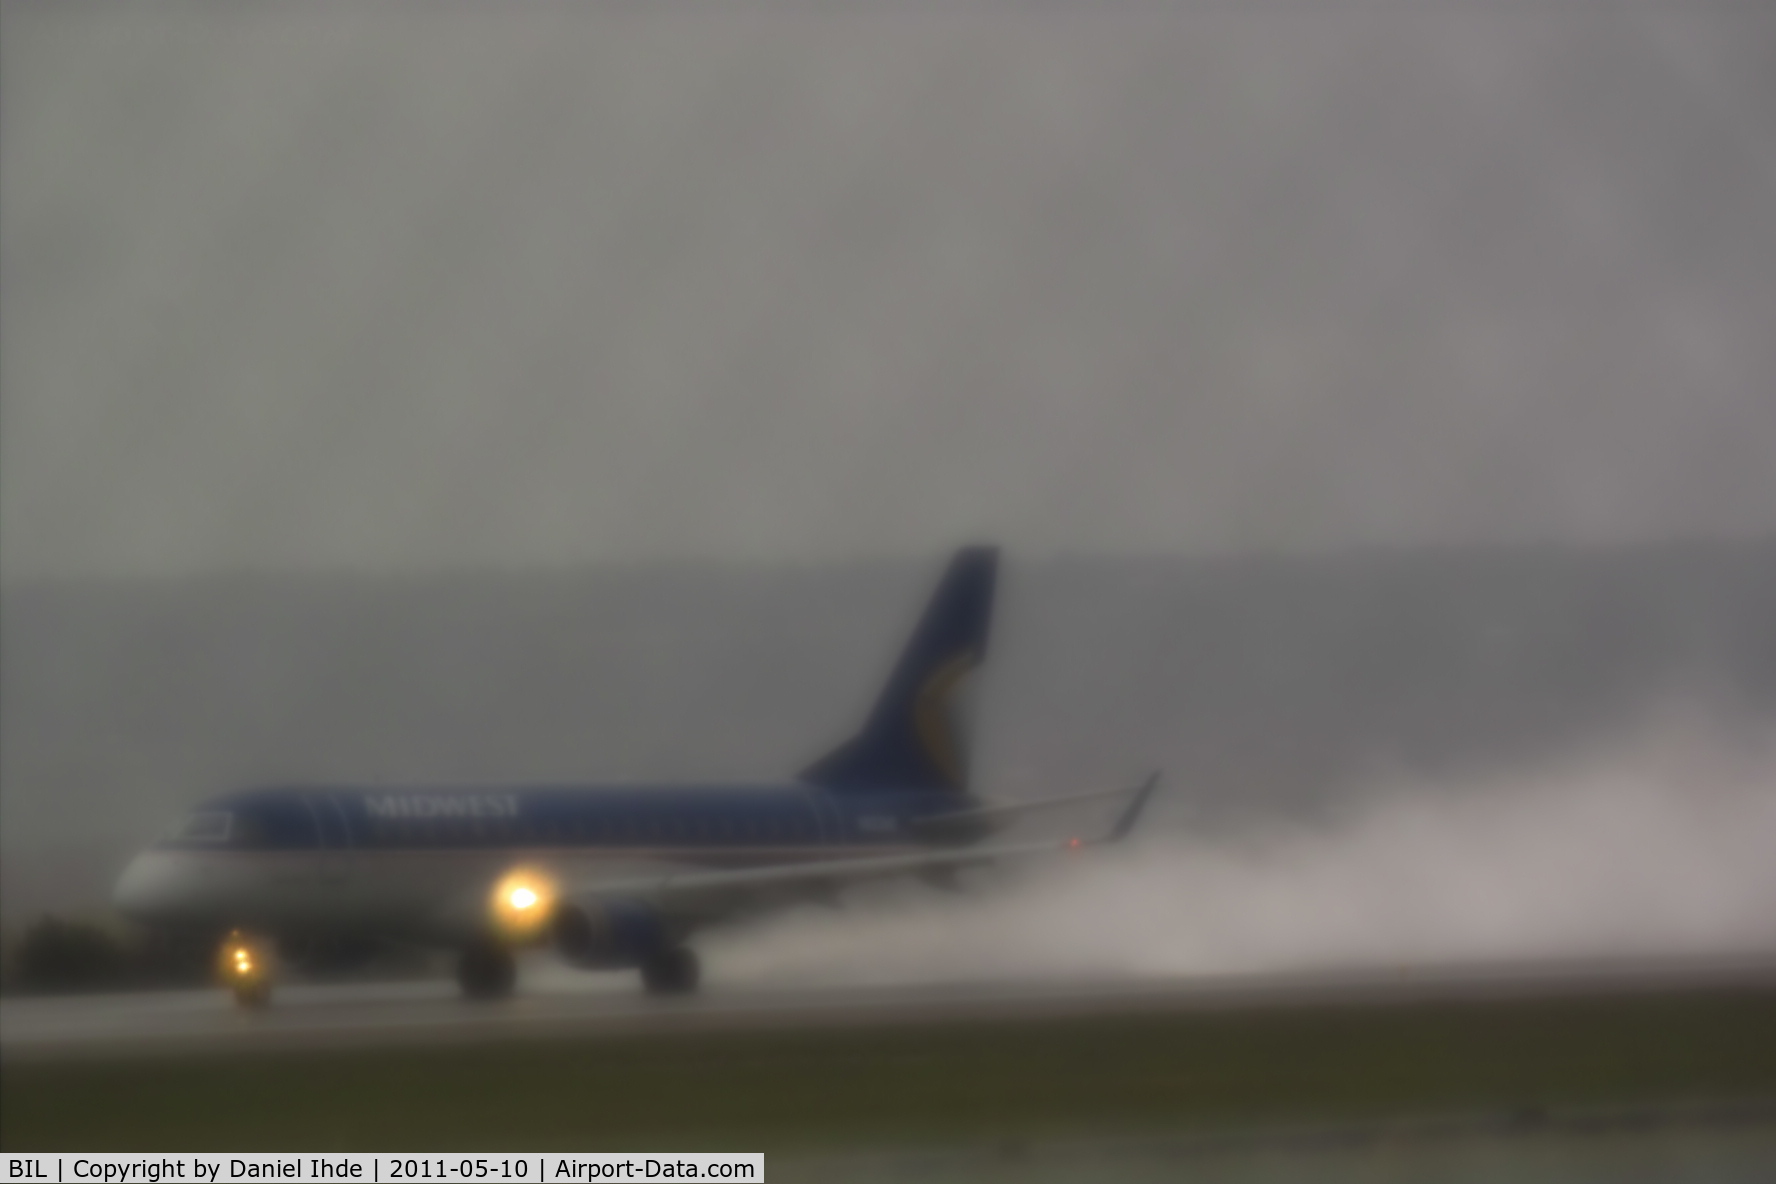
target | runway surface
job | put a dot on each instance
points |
(553, 1001)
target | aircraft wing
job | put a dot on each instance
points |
(696, 896)
(939, 825)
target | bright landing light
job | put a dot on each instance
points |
(239, 960)
(521, 902)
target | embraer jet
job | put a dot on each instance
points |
(615, 876)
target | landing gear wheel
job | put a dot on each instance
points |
(671, 971)
(486, 970)
(244, 964)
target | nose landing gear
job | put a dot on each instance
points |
(245, 968)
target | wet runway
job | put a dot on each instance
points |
(554, 1001)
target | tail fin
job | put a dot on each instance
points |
(914, 738)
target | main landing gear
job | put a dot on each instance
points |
(671, 971)
(487, 970)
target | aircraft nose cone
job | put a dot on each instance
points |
(149, 888)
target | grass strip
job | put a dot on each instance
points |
(935, 1082)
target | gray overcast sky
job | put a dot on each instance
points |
(401, 287)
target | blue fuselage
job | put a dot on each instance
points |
(707, 824)
(417, 861)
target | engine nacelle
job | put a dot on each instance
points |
(607, 934)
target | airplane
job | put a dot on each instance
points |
(615, 876)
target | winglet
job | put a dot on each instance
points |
(1132, 812)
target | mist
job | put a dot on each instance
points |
(1657, 847)
(1373, 402)
(1272, 692)
(414, 288)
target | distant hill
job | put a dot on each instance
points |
(1263, 685)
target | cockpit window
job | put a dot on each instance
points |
(204, 826)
